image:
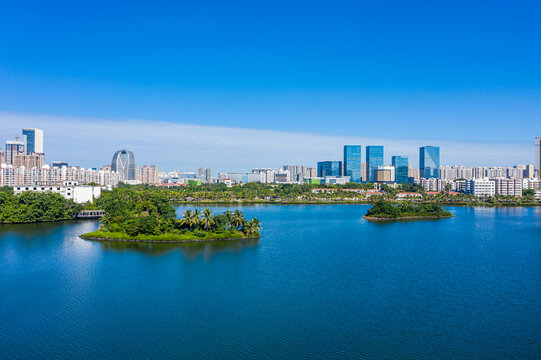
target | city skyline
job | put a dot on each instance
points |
(188, 146)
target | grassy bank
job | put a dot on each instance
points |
(170, 237)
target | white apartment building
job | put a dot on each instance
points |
(508, 187)
(481, 187)
(433, 184)
(530, 183)
(52, 175)
(70, 190)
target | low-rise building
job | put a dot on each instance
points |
(70, 190)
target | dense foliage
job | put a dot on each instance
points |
(298, 194)
(385, 209)
(30, 207)
(140, 212)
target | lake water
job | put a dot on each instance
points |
(321, 283)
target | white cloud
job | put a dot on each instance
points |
(92, 142)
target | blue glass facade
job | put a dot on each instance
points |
(400, 164)
(329, 168)
(374, 158)
(429, 162)
(352, 162)
(30, 135)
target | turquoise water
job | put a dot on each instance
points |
(321, 283)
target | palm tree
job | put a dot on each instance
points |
(207, 221)
(229, 216)
(253, 226)
(238, 219)
(190, 219)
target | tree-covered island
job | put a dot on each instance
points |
(147, 216)
(384, 210)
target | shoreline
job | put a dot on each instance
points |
(346, 202)
(376, 219)
(92, 238)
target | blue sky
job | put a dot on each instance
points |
(431, 72)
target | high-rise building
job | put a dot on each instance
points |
(2, 157)
(149, 174)
(352, 162)
(205, 174)
(30, 161)
(124, 163)
(429, 162)
(538, 155)
(374, 158)
(364, 172)
(329, 168)
(401, 166)
(13, 147)
(33, 141)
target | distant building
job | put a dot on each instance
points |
(480, 187)
(401, 166)
(33, 141)
(205, 174)
(429, 162)
(538, 156)
(149, 174)
(374, 158)
(336, 180)
(433, 184)
(352, 162)
(13, 147)
(124, 163)
(364, 172)
(32, 160)
(2, 157)
(508, 187)
(384, 174)
(329, 168)
(63, 163)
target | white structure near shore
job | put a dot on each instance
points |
(70, 190)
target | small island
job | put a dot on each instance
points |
(147, 217)
(406, 210)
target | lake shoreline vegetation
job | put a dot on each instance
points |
(307, 194)
(33, 207)
(407, 210)
(145, 216)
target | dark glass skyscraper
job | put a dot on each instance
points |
(329, 168)
(124, 162)
(352, 162)
(429, 162)
(374, 158)
(400, 164)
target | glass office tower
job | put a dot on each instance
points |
(429, 162)
(400, 164)
(329, 168)
(124, 162)
(33, 141)
(352, 162)
(374, 158)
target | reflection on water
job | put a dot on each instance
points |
(189, 250)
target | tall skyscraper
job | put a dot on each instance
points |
(538, 155)
(329, 168)
(13, 148)
(352, 162)
(400, 164)
(124, 162)
(429, 162)
(374, 158)
(33, 141)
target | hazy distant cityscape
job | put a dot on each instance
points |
(23, 167)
